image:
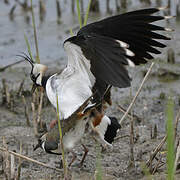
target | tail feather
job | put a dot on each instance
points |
(107, 129)
(112, 130)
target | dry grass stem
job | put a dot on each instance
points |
(6, 94)
(120, 137)
(40, 106)
(20, 89)
(42, 10)
(157, 165)
(26, 111)
(155, 132)
(34, 119)
(19, 165)
(135, 117)
(11, 13)
(132, 163)
(177, 156)
(6, 162)
(156, 150)
(139, 90)
(58, 9)
(176, 123)
(12, 164)
(29, 159)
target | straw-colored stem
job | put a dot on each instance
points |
(35, 34)
(156, 150)
(139, 90)
(20, 164)
(40, 106)
(29, 159)
(26, 111)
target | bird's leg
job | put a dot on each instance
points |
(85, 154)
(73, 158)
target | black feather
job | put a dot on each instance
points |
(98, 44)
(112, 129)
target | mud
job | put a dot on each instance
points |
(150, 106)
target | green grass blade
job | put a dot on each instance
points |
(98, 164)
(170, 139)
(61, 139)
(35, 34)
(79, 13)
(87, 13)
(28, 46)
(71, 32)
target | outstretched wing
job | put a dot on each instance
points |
(109, 44)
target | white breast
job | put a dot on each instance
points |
(74, 135)
(72, 90)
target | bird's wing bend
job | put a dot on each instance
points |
(126, 39)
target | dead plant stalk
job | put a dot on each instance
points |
(138, 92)
(29, 159)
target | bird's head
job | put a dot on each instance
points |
(37, 71)
(49, 146)
(41, 143)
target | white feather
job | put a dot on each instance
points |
(130, 63)
(129, 53)
(102, 127)
(73, 85)
(43, 144)
(122, 44)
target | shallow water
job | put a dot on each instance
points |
(50, 34)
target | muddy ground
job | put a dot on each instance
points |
(150, 108)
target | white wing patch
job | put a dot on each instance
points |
(130, 63)
(73, 86)
(77, 59)
(122, 44)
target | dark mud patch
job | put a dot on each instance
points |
(149, 107)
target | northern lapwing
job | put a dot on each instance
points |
(73, 129)
(97, 59)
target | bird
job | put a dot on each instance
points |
(97, 60)
(72, 130)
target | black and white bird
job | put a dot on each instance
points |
(73, 129)
(97, 59)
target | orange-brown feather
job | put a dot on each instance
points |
(97, 118)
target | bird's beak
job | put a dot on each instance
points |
(33, 88)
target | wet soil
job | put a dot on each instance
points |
(150, 106)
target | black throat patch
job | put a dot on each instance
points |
(44, 81)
